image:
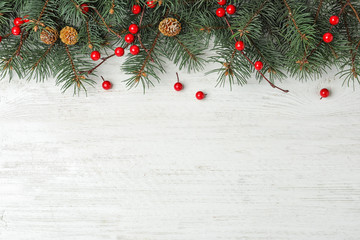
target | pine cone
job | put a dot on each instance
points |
(69, 35)
(49, 35)
(170, 27)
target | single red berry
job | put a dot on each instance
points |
(200, 95)
(136, 9)
(324, 93)
(133, 28)
(334, 20)
(119, 52)
(84, 8)
(16, 30)
(258, 65)
(0, 39)
(240, 45)
(95, 55)
(221, 2)
(151, 4)
(231, 9)
(129, 38)
(106, 85)
(18, 21)
(26, 19)
(178, 86)
(134, 50)
(220, 12)
(328, 37)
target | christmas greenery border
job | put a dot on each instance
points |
(275, 39)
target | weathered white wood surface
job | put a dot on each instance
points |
(252, 163)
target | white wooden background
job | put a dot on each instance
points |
(247, 164)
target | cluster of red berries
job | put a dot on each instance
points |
(328, 37)
(230, 9)
(136, 9)
(16, 30)
(129, 38)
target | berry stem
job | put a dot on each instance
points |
(103, 78)
(139, 34)
(178, 79)
(94, 68)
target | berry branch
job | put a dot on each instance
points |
(354, 10)
(101, 63)
(251, 62)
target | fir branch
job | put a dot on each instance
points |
(303, 36)
(318, 10)
(253, 16)
(18, 50)
(42, 57)
(191, 55)
(41, 14)
(141, 72)
(88, 34)
(77, 77)
(106, 25)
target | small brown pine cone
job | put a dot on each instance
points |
(170, 27)
(69, 36)
(49, 35)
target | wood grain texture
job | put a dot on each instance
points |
(252, 163)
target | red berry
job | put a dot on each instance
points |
(16, 30)
(220, 12)
(334, 20)
(133, 28)
(0, 39)
(26, 19)
(129, 38)
(84, 8)
(231, 9)
(151, 4)
(18, 21)
(258, 65)
(178, 86)
(95, 55)
(324, 93)
(106, 85)
(136, 9)
(119, 52)
(134, 50)
(221, 2)
(240, 45)
(328, 37)
(200, 95)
